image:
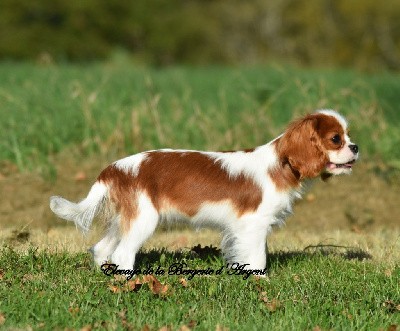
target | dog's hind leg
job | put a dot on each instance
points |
(137, 232)
(105, 247)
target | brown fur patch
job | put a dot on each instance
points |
(122, 193)
(187, 179)
(179, 180)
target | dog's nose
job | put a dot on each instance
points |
(354, 148)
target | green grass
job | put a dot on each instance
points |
(304, 290)
(114, 109)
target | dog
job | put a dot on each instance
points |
(242, 193)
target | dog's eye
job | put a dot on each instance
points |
(336, 139)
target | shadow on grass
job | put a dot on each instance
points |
(210, 253)
(347, 253)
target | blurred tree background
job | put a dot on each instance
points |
(359, 33)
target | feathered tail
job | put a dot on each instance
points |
(81, 213)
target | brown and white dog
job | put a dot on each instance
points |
(244, 193)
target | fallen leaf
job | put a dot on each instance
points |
(73, 310)
(146, 328)
(310, 197)
(183, 282)
(86, 328)
(2, 318)
(184, 328)
(114, 288)
(80, 176)
(263, 297)
(133, 285)
(1, 274)
(155, 286)
(392, 327)
(273, 305)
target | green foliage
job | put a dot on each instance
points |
(47, 290)
(113, 110)
(358, 33)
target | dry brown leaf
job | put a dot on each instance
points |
(73, 310)
(1, 274)
(2, 318)
(133, 285)
(114, 288)
(80, 176)
(310, 197)
(86, 328)
(273, 305)
(392, 327)
(183, 282)
(263, 297)
(155, 286)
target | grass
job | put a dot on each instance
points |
(55, 285)
(304, 290)
(113, 109)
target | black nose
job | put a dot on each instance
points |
(354, 148)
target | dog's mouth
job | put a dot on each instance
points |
(347, 165)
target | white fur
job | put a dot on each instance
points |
(81, 213)
(131, 163)
(336, 115)
(141, 229)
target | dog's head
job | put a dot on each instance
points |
(318, 144)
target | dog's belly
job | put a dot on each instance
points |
(210, 214)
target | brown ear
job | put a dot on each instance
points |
(300, 147)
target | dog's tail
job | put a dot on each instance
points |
(81, 213)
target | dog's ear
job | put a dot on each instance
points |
(300, 146)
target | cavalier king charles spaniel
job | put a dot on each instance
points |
(243, 193)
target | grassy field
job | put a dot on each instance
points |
(334, 266)
(117, 109)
